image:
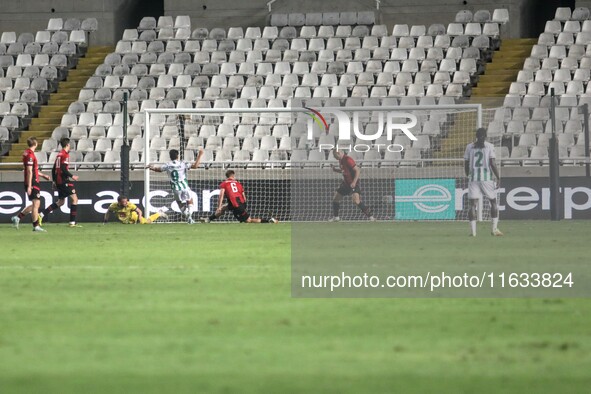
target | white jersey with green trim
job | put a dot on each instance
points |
(177, 171)
(479, 159)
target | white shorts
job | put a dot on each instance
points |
(477, 189)
(182, 195)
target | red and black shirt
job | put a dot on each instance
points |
(347, 165)
(60, 172)
(233, 191)
(30, 160)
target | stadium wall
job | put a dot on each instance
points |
(527, 16)
(209, 13)
(113, 15)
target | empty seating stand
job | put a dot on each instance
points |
(340, 58)
(31, 67)
(560, 61)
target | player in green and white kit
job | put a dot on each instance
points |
(480, 167)
(177, 171)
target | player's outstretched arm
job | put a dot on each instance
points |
(106, 218)
(198, 160)
(155, 168)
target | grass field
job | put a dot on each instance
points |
(208, 309)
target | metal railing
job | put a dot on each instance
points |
(279, 164)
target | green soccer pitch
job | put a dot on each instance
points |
(208, 309)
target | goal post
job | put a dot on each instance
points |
(282, 156)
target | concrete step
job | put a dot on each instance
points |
(47, 123)
(74, 78)
(47, 120)
(56, 116)
(65, 90)
(69, 86)
(489, 91)
(43, 128)
(41, 135)
(513, 53)
(492, 84)
(500, 78)
(48, 109)
(512, 65)
(488, 102)
(516, 41)
(21, 146)
(63, 98)
(499, 72)
(62, 101)
(100, 49)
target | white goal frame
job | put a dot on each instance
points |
(220, 111)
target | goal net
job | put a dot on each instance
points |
(411, 158)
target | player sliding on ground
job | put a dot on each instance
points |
(233, 191)
(129, 213)
(349, 187)
(480, 166)
(177, 171)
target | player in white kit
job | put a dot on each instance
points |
(480, 167)
(177, 172)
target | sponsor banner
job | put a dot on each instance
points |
(425, 199)
(529, 198)
(519, 198)
(95, 197)
(310, 199)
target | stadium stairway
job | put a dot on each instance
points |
(494, 84)
(50, 115)
(492, 87)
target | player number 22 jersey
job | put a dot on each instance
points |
(479, 159)
(177, 171)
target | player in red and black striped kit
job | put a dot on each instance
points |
(350, 186)
(63, 181)
(32, 186)
(233, 192)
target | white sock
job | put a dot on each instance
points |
(473, 226)
(495, 223)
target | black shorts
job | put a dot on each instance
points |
(35, 193)
(346, 190)
(65, 190)
(239, 212)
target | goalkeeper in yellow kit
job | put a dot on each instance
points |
(129, 213)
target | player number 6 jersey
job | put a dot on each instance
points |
(177, 171)
(479, 159)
